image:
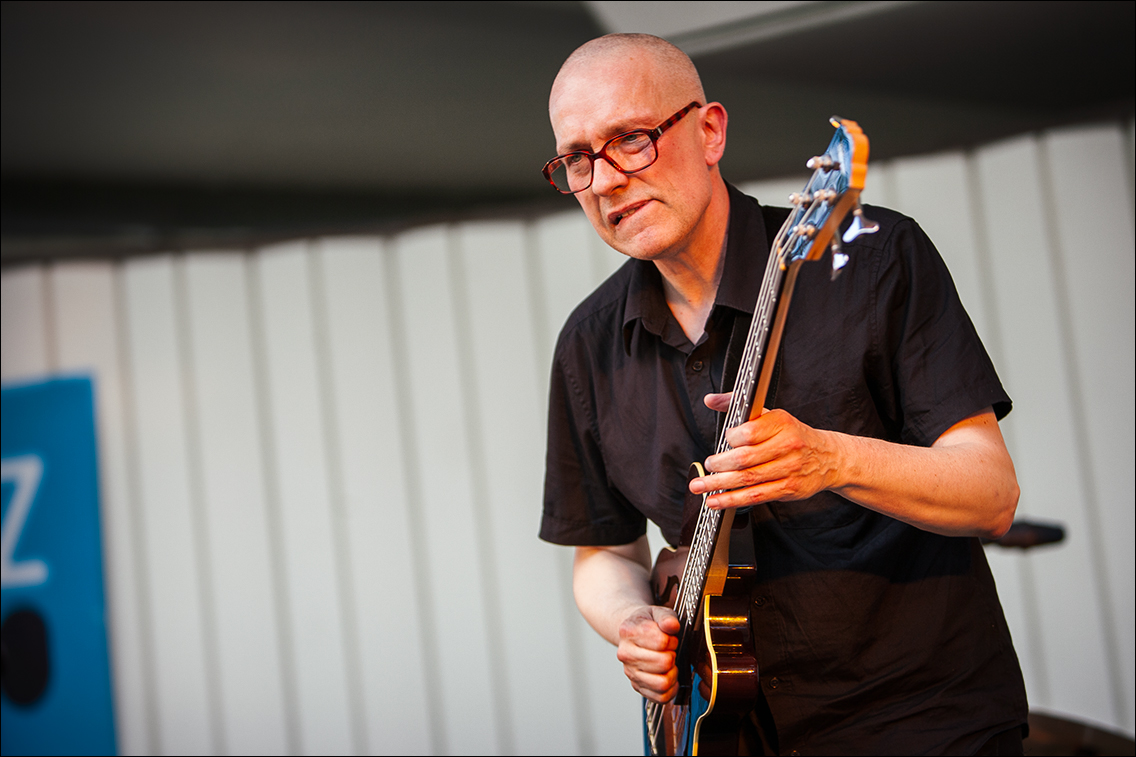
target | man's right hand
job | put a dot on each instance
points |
(613, 591)
(647, 643)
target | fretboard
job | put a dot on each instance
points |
(706, 530)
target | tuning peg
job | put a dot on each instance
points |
(822, 162)
(839, 257)
(860, 225)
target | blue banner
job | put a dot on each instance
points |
(56, 683)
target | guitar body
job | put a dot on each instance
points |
(671, 735)
(730, 672)
(721, 652)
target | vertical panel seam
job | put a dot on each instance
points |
(137, 525)
(1127, 130)
(47, 302)
(988, 293)
(432, 675)
(333, 458)
(485, 544)
(276, 546)
(577, 675)
(199, 534)
(1071, 368)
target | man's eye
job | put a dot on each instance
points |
(576, 164)
(633, 143)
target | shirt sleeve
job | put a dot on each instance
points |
(580, 507)
(939, 366)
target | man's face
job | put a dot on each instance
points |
(653, 214)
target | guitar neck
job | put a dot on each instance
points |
(750, 388)
(811, 227)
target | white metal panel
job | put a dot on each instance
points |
(775, 192)
(1098, 269)
(934, 191)
(562, 259)
(511, 399)
(879, 186)
(86, 307)
(444, 482)
(1066, 675)
(23, 324)
(233, 501)
(375, 498)
(299, 465)
(161, 459)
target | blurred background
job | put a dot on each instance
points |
(306, 257)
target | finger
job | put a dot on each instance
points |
(647, 660)
(779, 490)
(667, 621)
(718, 402)
(655, 689)
(742, 466)
(763, 427)
(749, 466)
(658, 686)
(645, 632)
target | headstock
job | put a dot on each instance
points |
(828, 196)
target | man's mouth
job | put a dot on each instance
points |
(615, 218)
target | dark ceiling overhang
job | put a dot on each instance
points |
(136, 126)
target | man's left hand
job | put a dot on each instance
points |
(774, 457)
(964, 484)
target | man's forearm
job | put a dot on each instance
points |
(963, 485)
(609, 583)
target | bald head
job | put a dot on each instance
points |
(675, 206)
(669, 69)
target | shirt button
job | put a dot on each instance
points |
(773, 682)
(697, 366)
(760, 601)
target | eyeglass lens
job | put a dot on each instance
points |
(627, 153)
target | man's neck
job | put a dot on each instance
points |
(690, 282)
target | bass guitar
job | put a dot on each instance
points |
(708, 583)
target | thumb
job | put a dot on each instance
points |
(666, 620)
(718, 402)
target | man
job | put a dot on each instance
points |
(876, 619)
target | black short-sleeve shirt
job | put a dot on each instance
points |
(874, 636)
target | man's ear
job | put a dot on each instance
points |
(713, 123)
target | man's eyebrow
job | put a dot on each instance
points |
(619, 127)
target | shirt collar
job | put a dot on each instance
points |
(747, 249)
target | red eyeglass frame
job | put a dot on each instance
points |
(653, 134)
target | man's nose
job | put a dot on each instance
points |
(605, 178)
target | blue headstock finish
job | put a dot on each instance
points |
(831, 192)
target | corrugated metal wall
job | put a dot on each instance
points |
(322, 462)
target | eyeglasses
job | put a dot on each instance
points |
(627, 153)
